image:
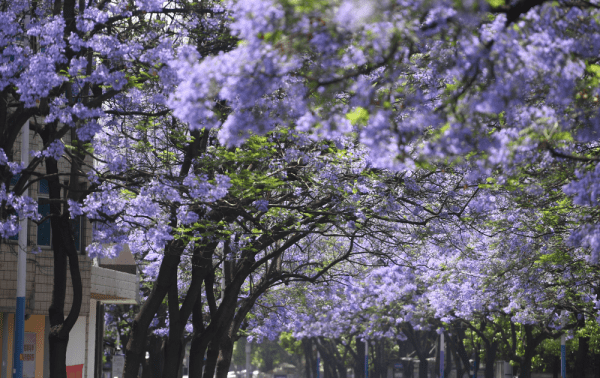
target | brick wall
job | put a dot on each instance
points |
(40, 266)
(40, 277)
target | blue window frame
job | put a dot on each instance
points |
(44, 230)
(44, 234)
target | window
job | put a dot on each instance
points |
(44, 234)
(44, 231)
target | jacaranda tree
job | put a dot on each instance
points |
(63, 62)
(234, 137)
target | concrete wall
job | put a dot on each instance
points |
(76, 349)
(109, 284)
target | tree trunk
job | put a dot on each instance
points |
(476, 360)
(184, 342)
(225, 354)
(134, 350)
(173, 343)
(409, 369)
(490, 357)
(198, 347)
(448, 364)
(423, 368)
(379, 366)
(168, 269)
(178, 317)
(359, 362)
(310, 361)
(327, 358)
(420, 343)
(198, 344)
(63, 246)
(212, 355)
(339, 362)
(231, 325)
(152, 366)
(456, 345)
(581, 359)
(526, 362)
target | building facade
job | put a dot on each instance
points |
(103, 282)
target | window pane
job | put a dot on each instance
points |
(44, 188)
(15, 179)
(43, 229)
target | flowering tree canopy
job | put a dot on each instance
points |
(271, 142)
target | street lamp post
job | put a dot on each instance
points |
(366, 359)
(563, 350)
(248, 350)
(21, 269)
(442, 355)
(318, 365)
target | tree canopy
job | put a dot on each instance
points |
(333, 169)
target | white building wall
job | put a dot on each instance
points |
(76, 346)
(111, 283)
(91, 341)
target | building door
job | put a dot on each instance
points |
(29, 355)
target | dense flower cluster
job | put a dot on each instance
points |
(423, 162)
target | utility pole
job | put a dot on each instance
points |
(21, 269)
(442, 355)
(366, 358)
(248, 350)
(563, 350)
(318, 365)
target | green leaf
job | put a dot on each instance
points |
(359, 116)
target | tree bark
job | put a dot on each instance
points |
(198, 344)
(532, 343)
(457, 346)
(581, 359)
(490, 356)
(526, 365)
(419, 345)
(153, 365)
(201, 260)
(310, 361)
(423, 365)
(225, 354)
(64, 247)
(134, 350)
(359, 361)
(173, 343)
(339, 361)
(212, 354)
